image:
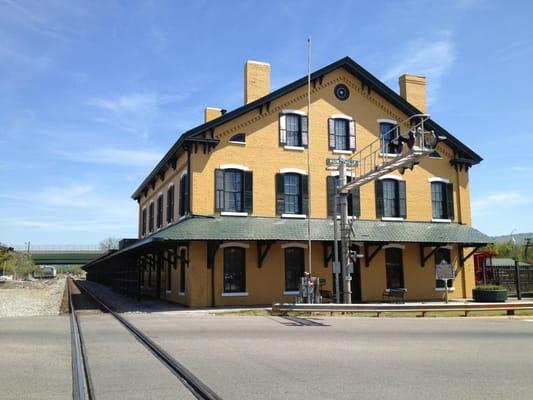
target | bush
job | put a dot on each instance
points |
(489, 287)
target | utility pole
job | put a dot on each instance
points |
(345, 234)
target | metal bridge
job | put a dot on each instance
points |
(61, 254)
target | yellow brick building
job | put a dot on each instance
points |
(223, 216)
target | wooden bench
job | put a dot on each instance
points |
(396, 293)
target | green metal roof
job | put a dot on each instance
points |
(257, 228)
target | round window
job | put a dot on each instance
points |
(342, 92)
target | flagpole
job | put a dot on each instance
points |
(309, 154)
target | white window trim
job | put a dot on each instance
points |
(436, 158)
(293, 171)
(168, 291)
(290, 111)
(183, 173)
(169, 185)
(235, 244)
(234, 294)
(234, 142)
(387, 121)
(297, 216)
(342, 151)
(349, 173)
(394, 246)
(181, 293)
(299, 245)
(290, 292)
(341, 116)
(398, 178)
(233, 214)
(234, 166)
(437, 179)
(441, 289)
(294, 148)
(442, 221)
(392, 218)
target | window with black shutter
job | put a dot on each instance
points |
(354, 204)
(341, 134)
(170, 204)
(159, 211)
(294, 267)
(443, 254)
(292, 195)
(234, 270)
(151, 217)
(238, 138)
(390, 198)
(293, 130)
(442, 200)
(184, 195)
(143, 222)
(388, 131)
(233, 190)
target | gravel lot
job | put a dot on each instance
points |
(18, 299)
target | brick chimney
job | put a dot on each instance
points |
(413, 89)
(211, 113)
(256, 80)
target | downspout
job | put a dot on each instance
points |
(460, 220)
(213, 284)
(189, 191)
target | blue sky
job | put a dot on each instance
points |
(92, 94)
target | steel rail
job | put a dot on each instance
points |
(81, 352)
(78, 385)
(198, 388)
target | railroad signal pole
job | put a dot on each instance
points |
(369, 164)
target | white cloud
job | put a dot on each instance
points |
(71, 196)
(494, 203)
(114, 156)
(130, 103)
(432, 58)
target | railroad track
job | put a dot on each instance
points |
(82, 382)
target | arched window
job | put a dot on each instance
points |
(159, 211)
(293, 128)
(170, 204)
(238, 138)
(234, 270)
(184, 195)
(294, 267)
(143, 222)
(292, 196)
(341, 133)
(442, 200)
(233, 190)
(394, 268)
(390, 198)
(151, 217)
(388, 131)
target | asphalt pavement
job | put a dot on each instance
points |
(35, 358)
(351, 358)
(121, 367)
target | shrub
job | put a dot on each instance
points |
(489, 287)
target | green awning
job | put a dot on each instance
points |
(257, 228)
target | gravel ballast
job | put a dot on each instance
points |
(19, 299)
